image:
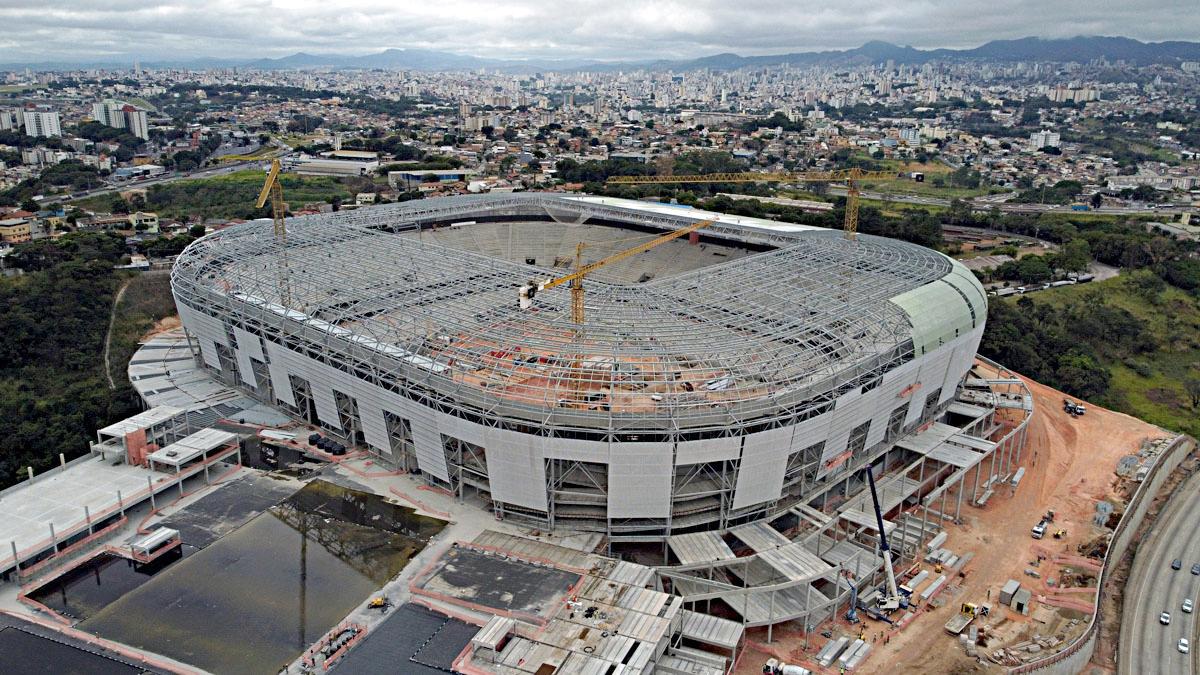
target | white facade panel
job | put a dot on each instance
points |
(208, 351)
(427, 442)
(208, 331)
(852, 410)
(245, 368)
(277, 367)
(764, 461)
(639, 480)
(325, 404)
(201, 324)
(249, 342)
(374, 427)
(516, 468)
(578, 450)
(891, 395)
(707, 450)
(464, 430)
(933, 373)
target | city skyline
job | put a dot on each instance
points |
(620, 31)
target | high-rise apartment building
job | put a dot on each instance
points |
(122, 116)
(41, 123)
(1044, 139)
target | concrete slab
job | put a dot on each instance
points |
(227, 508)
(60, 498)
(498, 583)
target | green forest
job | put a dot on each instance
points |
(53, 389)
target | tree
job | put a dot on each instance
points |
(1076, 255)
(1097, 200)
(30, 206)
(196, 231)
(1191, 384)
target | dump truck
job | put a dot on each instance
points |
(966, 614)
(1039, 530)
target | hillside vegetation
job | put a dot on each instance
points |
(53, 393)
(1131, 343)
(233, 195)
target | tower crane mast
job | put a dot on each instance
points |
(272, 190)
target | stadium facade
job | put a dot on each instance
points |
(716, 380)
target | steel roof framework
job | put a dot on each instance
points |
(790, 328)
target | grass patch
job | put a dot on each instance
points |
(1149, 386)
(147, 300)
(233, 195)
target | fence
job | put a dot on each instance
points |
(1072, 659)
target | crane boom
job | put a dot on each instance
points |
(617, 257)
(851, 177)
(575, 278)
(273, 190)
(892, 600)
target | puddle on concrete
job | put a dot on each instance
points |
(255, 599)
(363, 508)
(84, 591)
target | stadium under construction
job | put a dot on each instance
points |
(714, 410)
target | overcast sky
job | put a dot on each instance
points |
(85, 30)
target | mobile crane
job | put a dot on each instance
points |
(852, 177)
(893, 600)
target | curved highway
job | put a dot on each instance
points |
(1148, 647)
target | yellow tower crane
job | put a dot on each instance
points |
(273, 190)
(531, 288)
(851, 177)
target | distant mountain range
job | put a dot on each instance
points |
(1023, 49)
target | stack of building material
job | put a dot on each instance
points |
(852, 654)
(937, 541)
(831, 651)
(933, 588)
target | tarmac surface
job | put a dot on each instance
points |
(1147, 646)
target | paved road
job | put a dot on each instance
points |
(985, 203)
(1148, 647)
(219, 170)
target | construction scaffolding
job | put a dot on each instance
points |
(671, 407)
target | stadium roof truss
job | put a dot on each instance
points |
(765, 339)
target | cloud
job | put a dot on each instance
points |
(75, 30)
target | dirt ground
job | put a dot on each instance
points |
(168, 323)
(1069, 466)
